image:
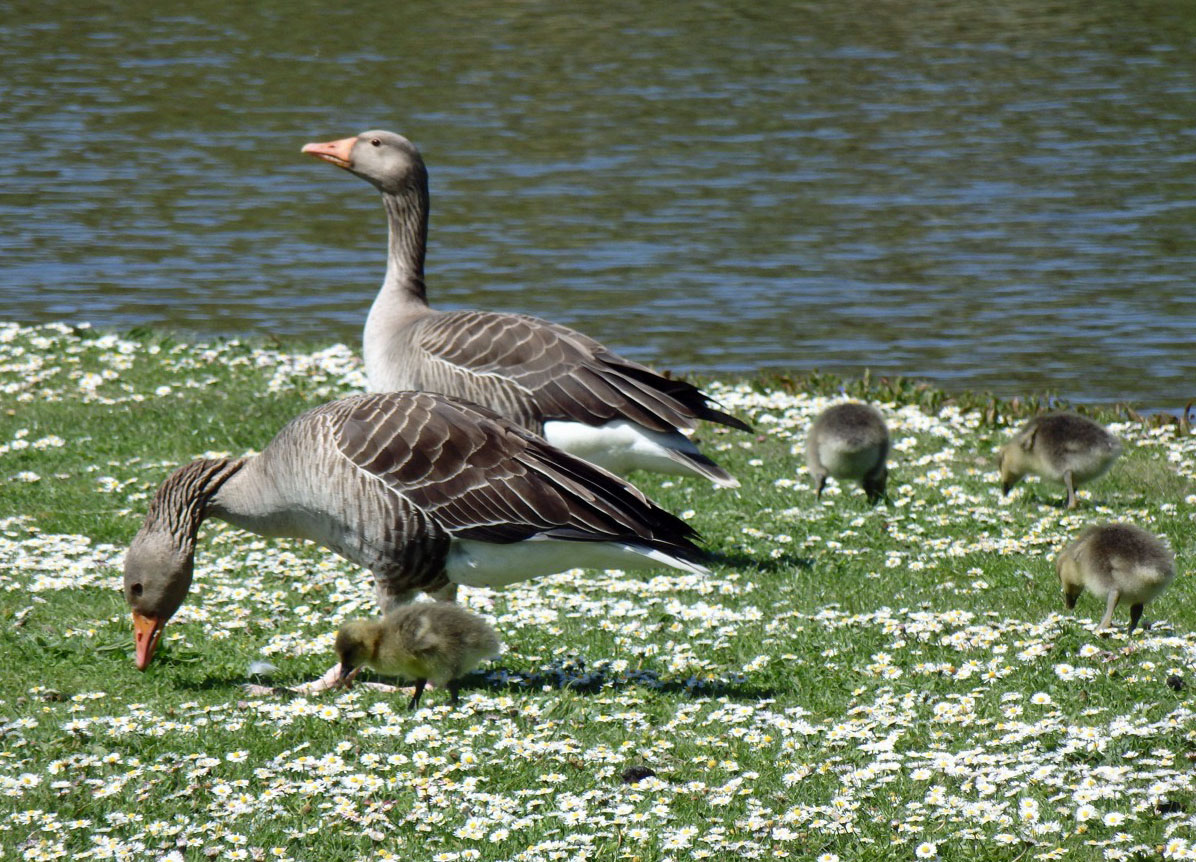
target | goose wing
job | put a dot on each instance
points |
(565, 374)
(481, 477)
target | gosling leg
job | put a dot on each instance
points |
(874, 487)
(1135, 615)
(1107, 620)
(1069, 483)
(419, 690)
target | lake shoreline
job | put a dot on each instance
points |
(865, 386)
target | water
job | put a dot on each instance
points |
(989, 195)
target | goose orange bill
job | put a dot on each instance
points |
(146, 633)
(338, 153)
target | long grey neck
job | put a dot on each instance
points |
(183, 501)
(407, 219)
(252, 501)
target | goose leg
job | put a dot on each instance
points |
(419, 690)
(330, 680)
(453, 686)
(1135, 615)
(1107, 620)
(446, 593)
(1069, 483)
(388, 597)
(819, 484)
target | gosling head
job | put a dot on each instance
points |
(157, 577)
(1011, 464)
(1069, 580)
(356, 645)
(388, 161)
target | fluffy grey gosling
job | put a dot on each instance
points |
(849, 441)
(1121, 562)
(437, 641)
(1060, 447)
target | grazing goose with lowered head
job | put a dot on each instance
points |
(424, 490)
(1064, 448)
(426, 641)
(552, 380)
(1120, 563)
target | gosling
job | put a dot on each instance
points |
(437, 641)
(849, 441)
(1121, 562)
(1060, 447)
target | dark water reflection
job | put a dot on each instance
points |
(988, 195)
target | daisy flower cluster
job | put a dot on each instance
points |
(898, 681)
(60, 362)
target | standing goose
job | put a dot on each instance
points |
(551, 380)
(1065, 448)
(424, 490)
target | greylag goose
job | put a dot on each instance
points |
(424, 490)
(1121, 563)
(436, 641)
(1064, 448)
(849, 441)
(553, 381)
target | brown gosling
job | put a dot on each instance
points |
(1060, 447)
(437, 641)
(849, 441)
(1121, 562)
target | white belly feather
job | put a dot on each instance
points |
(484, 564)
(621, 446)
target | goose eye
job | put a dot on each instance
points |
(375, 142)
(135, 589)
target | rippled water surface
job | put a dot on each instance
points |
(989, 195)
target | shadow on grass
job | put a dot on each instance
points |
(214, 682)
(1035, 498)
(740, 560)
(571, 675)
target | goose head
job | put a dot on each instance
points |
(387, 160)
(157, 577)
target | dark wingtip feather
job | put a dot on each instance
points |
(703, 465)
(643, 521)
(693, 399)
(709, 414)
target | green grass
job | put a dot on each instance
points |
(857, 681)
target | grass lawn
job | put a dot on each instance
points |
(897, 682)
